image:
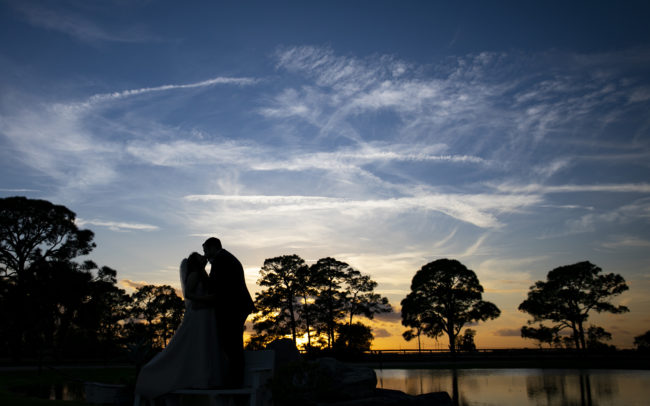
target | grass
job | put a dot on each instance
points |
(34, 378)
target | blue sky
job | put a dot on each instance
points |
(513, 137)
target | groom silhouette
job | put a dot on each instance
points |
(233, 305)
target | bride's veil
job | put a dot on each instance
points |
(183, 273)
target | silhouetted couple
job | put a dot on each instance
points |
(207, 349)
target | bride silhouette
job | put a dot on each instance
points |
(194, 357)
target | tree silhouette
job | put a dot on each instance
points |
(106, 310)
(415, 315)
(299, 300)
(330, 303)
(160, 309)
(542, 334)
(277, 304)
(57, 295)
(570, 293)
(36, 237)
(467, 340)
(37, 230)
(446, 295)
(642, 342)
(595, 337)
(353, 337)
(306, 290)
(360, 297)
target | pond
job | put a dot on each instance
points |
(521, 387)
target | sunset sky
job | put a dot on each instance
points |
(512, 136)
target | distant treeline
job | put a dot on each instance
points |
(53, 306)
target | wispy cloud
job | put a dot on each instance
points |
(116, 225)
(129, 284)
(59, 140)
(508, 332)
(626, 242)
(134, 92)
(480, 103)
(374, 160)
(381, 333)
(478, 209)
(345, 87)
(638, 210)
(547, 189)
(346, 165)
(18, 190)
(471, 250)
(81, 27)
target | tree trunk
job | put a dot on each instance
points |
(451, 332)
(330, 320)
(293, 320)
(576, 338)
(582, 335)
(307, 322)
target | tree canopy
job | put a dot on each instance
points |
(277, 304)
(37, 230)
(160, 308)
(315, 302)
(642, 342)
(569, 294)
(444, 297)
(38, 242)
(52, 304)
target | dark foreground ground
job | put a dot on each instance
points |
(12, 376)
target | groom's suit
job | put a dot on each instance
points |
(233, 305)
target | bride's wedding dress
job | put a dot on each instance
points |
(192, 359)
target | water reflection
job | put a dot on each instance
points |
(471, 387)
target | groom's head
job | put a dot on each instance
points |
(211, 247)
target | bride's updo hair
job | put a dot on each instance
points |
(194, 262)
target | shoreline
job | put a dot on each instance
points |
(613, 360)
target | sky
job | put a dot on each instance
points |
(512, 136)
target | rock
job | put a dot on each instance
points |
(350, 382)
(285, 351)
(435, 398)
(387, 397)
(328, 382)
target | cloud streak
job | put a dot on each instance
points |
(475, 209)
(81, 27)
(135, 92)
(56, 139)
(598, 188)
(116, 225)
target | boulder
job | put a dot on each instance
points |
(285, 351)
(349, 381)
(388, 397)
(328, 382)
